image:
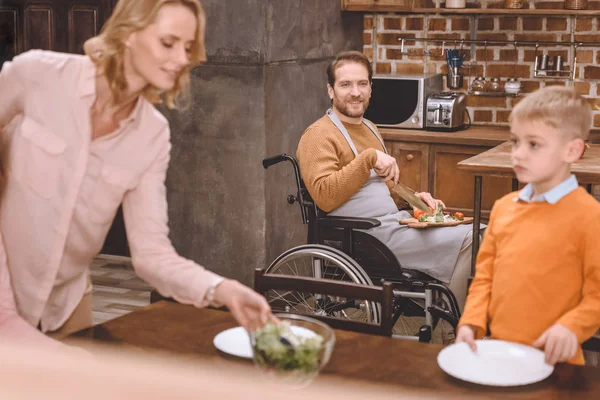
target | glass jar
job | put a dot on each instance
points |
(479, 84)
(576, 4)
(496, 86)
(512, 86)
(514, 3)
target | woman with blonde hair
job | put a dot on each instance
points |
(82, 136)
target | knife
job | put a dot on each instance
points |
(411, 198)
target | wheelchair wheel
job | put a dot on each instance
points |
(323, 262)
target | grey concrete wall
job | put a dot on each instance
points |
(215, 190)
(303, 37)
(264, 83)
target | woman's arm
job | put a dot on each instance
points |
(156, 261)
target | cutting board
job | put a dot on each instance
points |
(414, 223)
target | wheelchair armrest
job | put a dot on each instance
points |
(592, 344)
(347, 222)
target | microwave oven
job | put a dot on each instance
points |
(400, 101)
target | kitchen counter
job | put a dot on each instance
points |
(476, 135)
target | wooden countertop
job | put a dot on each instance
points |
(487, 136)
(496, 162)
(476, 135)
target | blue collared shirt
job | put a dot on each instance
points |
(553, 195)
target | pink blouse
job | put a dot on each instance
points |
(63, 189)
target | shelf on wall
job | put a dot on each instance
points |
(471, 11)
(502, 11)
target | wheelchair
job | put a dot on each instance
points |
(340, 248)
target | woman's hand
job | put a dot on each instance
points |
(249, 308)
(430, 201)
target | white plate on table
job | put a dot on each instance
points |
(496, 363)
(236, 341)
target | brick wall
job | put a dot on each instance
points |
(381, 32)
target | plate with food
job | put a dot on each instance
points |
(293, 350)
(436, 219)
(237, 342)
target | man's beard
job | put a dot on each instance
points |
(341, 106)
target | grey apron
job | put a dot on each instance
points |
(432, 251)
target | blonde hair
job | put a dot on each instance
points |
(107, 49)
(560, 107)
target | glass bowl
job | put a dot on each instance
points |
(294, 359)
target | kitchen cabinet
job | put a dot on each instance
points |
(428, 162)
(456, 187)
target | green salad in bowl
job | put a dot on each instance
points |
(293, 350)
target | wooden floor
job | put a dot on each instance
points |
(117, 289)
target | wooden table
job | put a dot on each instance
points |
(402, 364)
(497, 162)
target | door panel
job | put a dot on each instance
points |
(456, 187)
(83, 24)
(59, 25)
(9, 18)
(39, 28)
(413, 161)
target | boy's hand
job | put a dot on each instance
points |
(559, 344)
(466, 333)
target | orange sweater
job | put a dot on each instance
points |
(331, 172)
(539, 264)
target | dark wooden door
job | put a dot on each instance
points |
(58, 25)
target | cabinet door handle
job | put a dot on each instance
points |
(409, 157)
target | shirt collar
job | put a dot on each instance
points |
(87, 88)
(553, 195)
(87, 82)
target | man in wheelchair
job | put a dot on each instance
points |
(347, 171)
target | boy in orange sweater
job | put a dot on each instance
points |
(537, 279)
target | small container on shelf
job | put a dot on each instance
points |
(496, 86)
(456, 3)
(479, 85)
(512, 86)
(576, 4)
(514, 3)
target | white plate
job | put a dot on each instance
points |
(496, 363)
(236, 342)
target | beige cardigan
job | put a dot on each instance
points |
(331, 172)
